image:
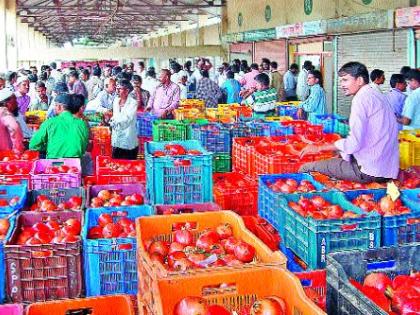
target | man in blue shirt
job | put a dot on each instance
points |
(316, 103)
(411, 111)
(396, 96)
(231, 88)
(290, 83)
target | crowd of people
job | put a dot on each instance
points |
(118, 93)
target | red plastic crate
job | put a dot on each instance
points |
(314, 284)
(237, 192)
(28, 155)
(16, 173)
(112, 171)
(142, 141)
(299, 126)
(263, 230)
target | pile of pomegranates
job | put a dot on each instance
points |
(50, 231)
(106, 227)
(175, 149)
(320, 209)
(23, 168)
(213, 248)
(399, 296)
(385, 206)
(290, 186)
(108, 166)
(4, 227)
(60, 170)
(106, 198)
(45, 204)
(193, 305)
(9, 203)
(25, 156)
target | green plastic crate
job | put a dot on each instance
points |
(222, 163)
(170, 130)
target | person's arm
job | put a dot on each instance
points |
(126, 116)
(40, 138)
(199, 90)
(286, 82)
(404, 121)
(151, 100)
(408, 112)
(15, 133)
(312, 102)
(174, 100)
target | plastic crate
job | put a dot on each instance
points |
(187, 208)
(222, 163)
(142, 141)
(399, 229)
(44, 272)
(178, 179)
(263, 230)
(242, 129)
(409, 148)
(161, 227)
(287, 110)
(215, 137)
(192, 103)
(314, 284)
(270, 128)
(104, 305)
(234, 290)
(12, 222)
(93, 116)
(9, 192)
(58, 195)
(269, 201)
(28, 155)
(234, 191)
(278, 118)
(39, 180)
(110, 265)
(311, 240)
(288, 103)
(299, 126)
(145, 124)
(343, 297)
(11, 309)
(342, 185)
(16, 173)
(182, 113)
(113, 171)
(169, 130)
(122, 189)
(36, 116)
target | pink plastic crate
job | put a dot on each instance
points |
(40, 180)
(11, 309)
(122, 189)
(187, 208)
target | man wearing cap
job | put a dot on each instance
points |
(59, 88)
(11, 137)
(22, 96)
(63, 136)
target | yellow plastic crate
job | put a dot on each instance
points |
(188, 113)
(279, 118)
(222, 115)
(39, 115)
(192, 103)
(289, 103)
(409, 148)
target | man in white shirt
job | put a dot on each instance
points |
(377, 77)
(302, 88)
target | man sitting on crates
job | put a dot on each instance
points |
(370, 153)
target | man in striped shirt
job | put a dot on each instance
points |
(370, 153)
(262, 99)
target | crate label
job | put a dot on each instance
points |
(14, 277)
(371, 240)
(323, 250)
(393, 191)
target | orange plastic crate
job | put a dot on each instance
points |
(103, 305)
(233, 290)
(161, 227)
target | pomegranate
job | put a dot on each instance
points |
(191, 305)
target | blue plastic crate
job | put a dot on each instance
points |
(399, 229)
(287, 110)
(270, 128)
(9, 192)
(311, 240)
(12, 221)
(242, 129)
(57, 195)
(269, 200)
(145, 124)
(110, 265)
(178, 179)
(332, 124)
(214, 137)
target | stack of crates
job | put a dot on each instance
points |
(409, 148)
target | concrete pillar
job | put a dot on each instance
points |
(3, 58)
(11, 35)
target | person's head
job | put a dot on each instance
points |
(61, 102)
(265, 63)
(274, 65)
(315, 77)
(44, 76)
(263, 81)
(234, 69)
(34, 70)
(230, 75)
(353, 76)
(32, 78)
(413, 78)
(377, 76)
(124, 88)
(187, 65)
(123, 76)
(23, 85)
(404, 70)
(116, 70)
(77, 104)
(398, 82)
(221, 69)
(11, 77)
(60, 88)
(165, 76)
(183, 80)
(110, 85)
(73, 76)
(8, 100)
(107, 71)
(307, 65)
(175, 67)
(136, 81)
(53, 65)
(41, 90)
(204, 73)
(294, 68)
(244, 63)
(200, 63)
(2, 83)
(151, 73)
(96, 72)
(237, 62)
(141, 65)
(254, 66)
(85, 74)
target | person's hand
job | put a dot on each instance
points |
(301, 114)
(309, 149)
